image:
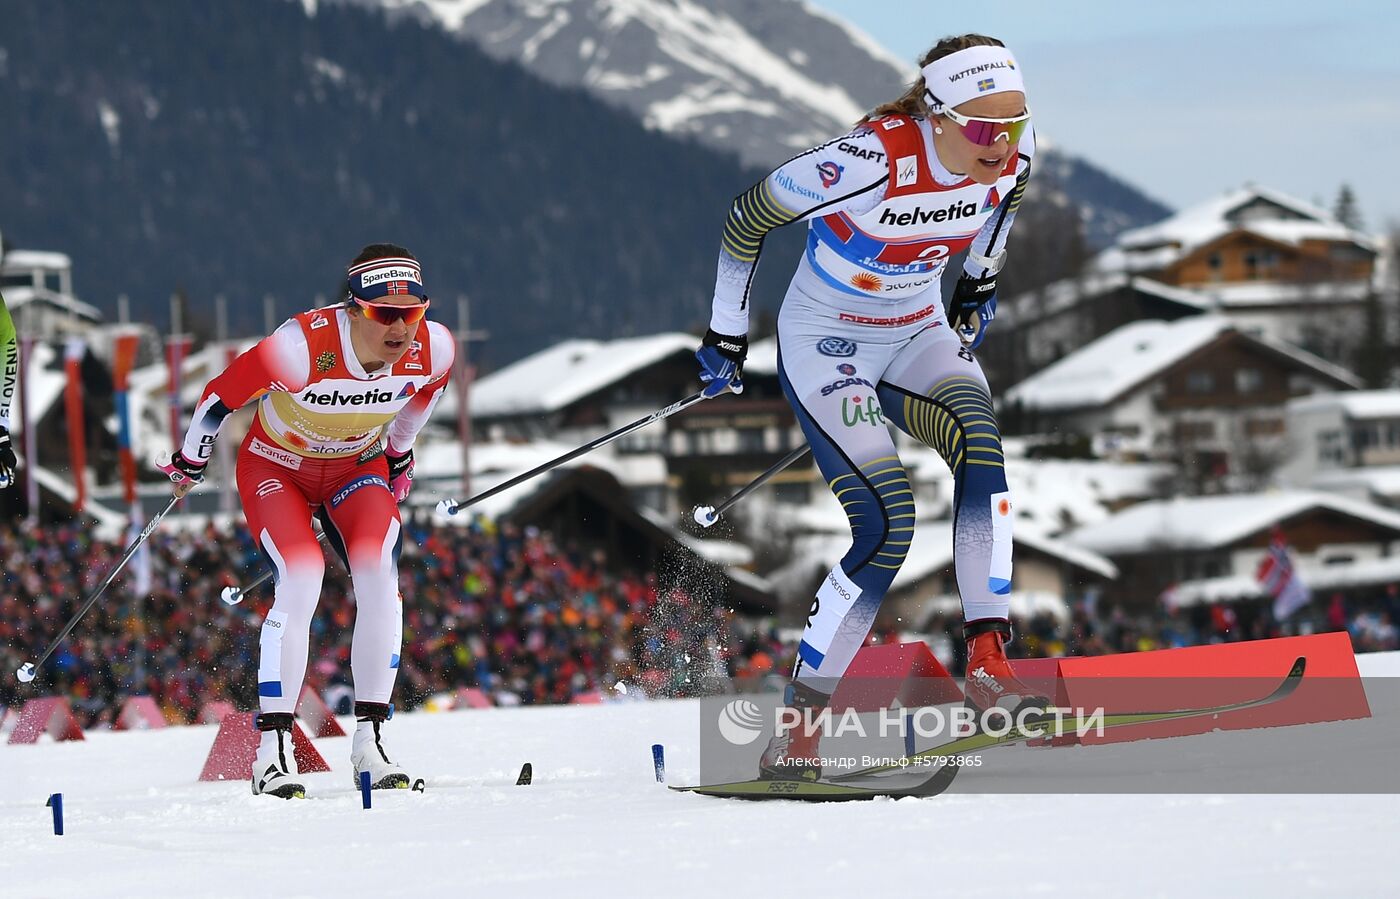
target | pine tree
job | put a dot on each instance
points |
(1345, 209)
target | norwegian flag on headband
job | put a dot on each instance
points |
(1277, 575)
(386, 277)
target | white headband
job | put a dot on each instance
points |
(975, 72)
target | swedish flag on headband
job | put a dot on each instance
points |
(985, 85)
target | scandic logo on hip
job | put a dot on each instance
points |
(336, 398)
(920, 216)
(280, 456)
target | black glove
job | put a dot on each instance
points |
(721, 359)
(182, 472)
(968, 296)
(400, 473)
(7, 459)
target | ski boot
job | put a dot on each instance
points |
(793, 752)
(275, 765)
(990, 682)
(367, 750)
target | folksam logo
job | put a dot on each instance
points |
(740, 722)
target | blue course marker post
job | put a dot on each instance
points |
(56, 803)
(658, 761)
(364, 788)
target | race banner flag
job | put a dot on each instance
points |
(177, 347)
(1278, 577)
(123, 359)
(73, 353)
(125, 347)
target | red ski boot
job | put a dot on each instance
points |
(793, 752)
(990, 681)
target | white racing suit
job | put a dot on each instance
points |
(864, 343)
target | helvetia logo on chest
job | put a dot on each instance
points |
(408, 390)
(336, 398)
(921, 216)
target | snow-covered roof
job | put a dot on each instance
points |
(569, 371)
(1371, 480)
(1024, 604)
(42, 385)
(1107, 368)
(1239, 294)
(728, 553)
(496, 463)
(25, 260)
(18, 296)
(1212, 522)
(1360, 404)
(930, 551)
(762, 358)
(1294, 221)
(111, 525)
(1052, 298)
(1361, 573)
(1049, 495)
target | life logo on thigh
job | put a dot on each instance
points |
(838, 347)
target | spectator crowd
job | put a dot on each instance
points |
(502, 609)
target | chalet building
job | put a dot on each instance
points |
(1198, 392)
(1253, 234)
(1208, 548)
(1275, 266)
(38, 289)
(1346, 442)
(587, 508)
(578, 390)
(1050, 574)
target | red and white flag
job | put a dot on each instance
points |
(1277, 575)
(73, 353)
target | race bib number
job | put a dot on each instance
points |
(999, 574)
(834, 599)
(270, 654)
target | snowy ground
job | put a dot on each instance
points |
(595, 823)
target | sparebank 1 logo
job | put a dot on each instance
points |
(740, 722)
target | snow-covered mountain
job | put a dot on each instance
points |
(763, 79)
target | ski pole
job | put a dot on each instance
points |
(26, 672)
(708, 515)
(452, 506)
(234, 595)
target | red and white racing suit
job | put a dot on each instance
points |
(316, 444)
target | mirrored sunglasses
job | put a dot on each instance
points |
(985, 132)
(388, 313)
